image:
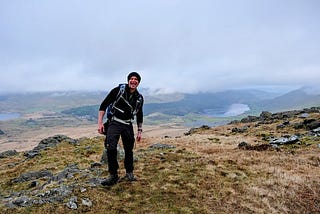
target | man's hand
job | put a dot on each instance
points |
(139, 134)
(100, 128)
(100, 122)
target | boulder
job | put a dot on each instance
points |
(161, 146)
(48, 143)
(8, 153)
(285, 140)
(28, 176)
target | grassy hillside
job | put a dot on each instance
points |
(225, 169)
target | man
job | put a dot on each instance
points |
(127, 104)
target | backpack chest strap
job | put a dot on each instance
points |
(126, 122)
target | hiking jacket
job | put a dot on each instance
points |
(126, 108)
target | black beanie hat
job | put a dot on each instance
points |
(134, 74)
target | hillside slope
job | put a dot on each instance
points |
(226, 169)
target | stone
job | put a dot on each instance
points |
(8, 153)
(161, 146)
(285, 140)
(86, 202)
(72, 203)
(28, 176)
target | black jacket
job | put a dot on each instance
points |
(127, 103)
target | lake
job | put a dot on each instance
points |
(9, 116)
(232, 110)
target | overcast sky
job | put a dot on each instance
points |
(176, 45)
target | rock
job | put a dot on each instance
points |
(161, 146)
(67, 173)
(72, 203)
(242, 145)
(48, 143)
(56, 194)
(82, 189)
(195, 130)
(317, 130)
(53, 141)
(299, 126)
(249, 119)
(95, 164)
(265, 115)
(239, 130)
(28, 176)
(86, 202)
(8, 153)
(261, 147)
(31, 154)
(285, 140)
(313, 125)
(283, 125)
(1, 132)
(33, 184)
(312, 110)
(22, 201)
(304, 115)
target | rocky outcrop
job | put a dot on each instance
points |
(284, 140)
(8, 153)
(161, 146)
(296, 119)
(195, 130)
(261, 147)
(46, 194)
(31, 176)
(268, 117)
(49, 143)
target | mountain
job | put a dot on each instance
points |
(214, 105)
(293, 100)
(199, 103)
(183, 107)
(219, 102)
(51, 101)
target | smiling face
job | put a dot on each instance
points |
(133, 83)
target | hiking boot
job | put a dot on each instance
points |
(130, 177)
(112, 180)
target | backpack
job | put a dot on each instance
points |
(110, 108)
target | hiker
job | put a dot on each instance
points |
(122, 104)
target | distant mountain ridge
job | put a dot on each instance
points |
(292, 100)
(86, 104)
(218, 102)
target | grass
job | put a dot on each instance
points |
(204, 173)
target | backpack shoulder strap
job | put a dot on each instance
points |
(138, 103)
(122, 87)
(110, 108)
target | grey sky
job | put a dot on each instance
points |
(176, 45)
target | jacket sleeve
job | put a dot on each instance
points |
(140, 113)
(109, 99)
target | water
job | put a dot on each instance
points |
(9, 116)
(233, 110)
